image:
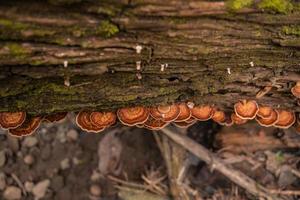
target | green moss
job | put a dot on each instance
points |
(178, 20)
(17, 50)
(21, 104)
(235, 5)
(278, 6)
(291, 30)
(107, 29)
(60, 41)
(42, 33)
(12, 24)
(57, 88)
(110, 11)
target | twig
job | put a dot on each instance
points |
(295, 172)
(131, 184)
(154, 184)
(286, 192)
(235, 176)
(20, 184)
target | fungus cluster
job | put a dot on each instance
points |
(95, 121)
(185, 114)
(157, 117)
(296, 90)
(19, 124)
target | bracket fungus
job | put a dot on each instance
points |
(103, 119)
(181, 114)
(270, 121)
(167, 113)
(202, 113)
(219, 116)
(155, 124)
(11, 119)
(184, 114)
(56, 117)
(83, 120)
(246, 109)
(285, 119)
(296, 90)
(27, 128)
(237, 120)
(228, 121)
(133, 115)
(265, 112)
(187, 123)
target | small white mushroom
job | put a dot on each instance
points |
(66, 63)
(162, 67)
(139, 76)
(138, 65)
(67, 82)
(138, 49)
(228, 70)
(190, 104)
(251, 64)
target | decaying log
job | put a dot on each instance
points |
(86, 54)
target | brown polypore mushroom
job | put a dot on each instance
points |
(246, 109)
(83, 120)
(184, 114)
(103, 119)
(203, 112)
(27, 128)
(11, 119)
(285, 119)
(56, 117)
(228, 121)
(187, 123)
(165, 113)
(237, 120)
(296, 90)
(155, 124)
(270, 121)
(265, 112)
(133, 115)
(219, 116)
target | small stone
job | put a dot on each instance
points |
(76, 161)
(30, 141)
(95, 176)
(46, 152)
(28, 186)
(95, 190)
(12, 193)
(29, 159)
(2, 181)
(20, 154)
(286, 177)
(40, 189)
(72, 135)
(65, 164)
(61, 136)
(57, 183)
(2, 158)
(13, 143)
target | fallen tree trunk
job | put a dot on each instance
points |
(85, 55)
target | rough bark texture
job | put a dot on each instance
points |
(199, 41)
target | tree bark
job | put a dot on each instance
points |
(83, 55)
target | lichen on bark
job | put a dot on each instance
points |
(201, 53)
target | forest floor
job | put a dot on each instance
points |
(61, 162)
